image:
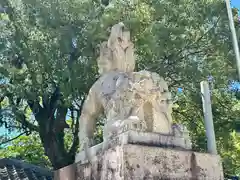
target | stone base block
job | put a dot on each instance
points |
(140, 138)
(138, 162)
(143, 156)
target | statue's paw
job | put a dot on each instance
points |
(116, 125)
(133, 119)
(134, 123)
(180, 130)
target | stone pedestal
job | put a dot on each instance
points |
(147, 156)
(137, 162)
(138, 138)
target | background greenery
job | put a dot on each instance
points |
(48, 52)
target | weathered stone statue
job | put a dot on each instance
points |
(140, 140)
(128, 99)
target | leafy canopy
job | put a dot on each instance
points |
(48, 63)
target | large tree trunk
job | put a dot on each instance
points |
(50, 127)
(51, 131)
(53, 143)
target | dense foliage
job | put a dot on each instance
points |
(48, 63)
(27, 148)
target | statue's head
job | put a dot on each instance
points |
(105, 63)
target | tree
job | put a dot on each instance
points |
(48, 62)
(42, 76)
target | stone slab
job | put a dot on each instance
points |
(142, 162)
(138, 162)
(140, 138)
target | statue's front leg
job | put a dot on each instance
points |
(86, 138)
(89, 151)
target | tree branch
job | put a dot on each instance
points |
(21, 118)
(75, 143)
(60, 122)
(9, 140)
(72, 117)
(36, 109)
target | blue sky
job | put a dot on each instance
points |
(235, 3)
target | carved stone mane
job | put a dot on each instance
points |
(122, 48)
